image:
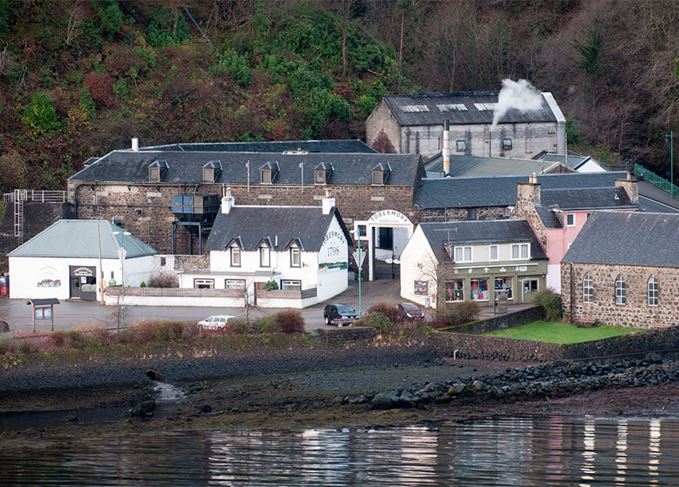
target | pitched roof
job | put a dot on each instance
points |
(464, 107)
(586, 198)
(474, 166)
(480, 232)
(249, 225)
(186, 167)
(636, 239)
(82, 239)
(500, 191)
(548, 217)
(572, 161)
(276, 146)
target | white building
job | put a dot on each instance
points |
(450, 262)
(276, 256)
(76, 259)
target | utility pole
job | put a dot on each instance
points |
(360, 262)
(670, 138)
(301, 167)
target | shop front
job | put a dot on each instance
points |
(83, 282)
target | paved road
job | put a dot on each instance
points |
(76, 314)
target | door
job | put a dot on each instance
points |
(528, 288)
(83, 282)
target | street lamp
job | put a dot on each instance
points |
(122, 253)
(669, 137)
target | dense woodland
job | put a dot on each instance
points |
(81, 77)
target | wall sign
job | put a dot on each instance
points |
(83, 272)
(389, 217)
(334, 253)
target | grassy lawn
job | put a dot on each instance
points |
(560, 333)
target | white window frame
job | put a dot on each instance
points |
(490, 252)
(520, 251)
(209, 282)
(229, 284)
(291, 283)
(233, 251)
(264, 256)
(445, 296)
(295, 256)
(460, 145)
(620, 291)
(587, 289)
(467, 253)
(507, 144)
(569, 215)
(652, 292)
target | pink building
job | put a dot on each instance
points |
(558, 215)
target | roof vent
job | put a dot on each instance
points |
(323, 173)
(380, 174)
(296, 152)
(268, 172)
(211, 171)
(158, 171)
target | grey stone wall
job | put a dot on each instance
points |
(191, 263)
(381, 119)
(636, 313)
(505, 321)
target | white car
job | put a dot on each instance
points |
(215, 322)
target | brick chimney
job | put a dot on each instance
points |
(631, 186)
(528, 194)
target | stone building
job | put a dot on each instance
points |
(413, 124)
(452, 262)
(623, 270)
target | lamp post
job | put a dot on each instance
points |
(301, 168)
(669, 137)
(122, 253)
(360, 262)
(101, 269)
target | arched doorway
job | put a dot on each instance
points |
(387, 233)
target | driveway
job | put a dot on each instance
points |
(76, 314)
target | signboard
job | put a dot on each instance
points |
(83, 272)
(389, 217)
(421, 288)
(43, 313)
(334, 252)
(355, 255)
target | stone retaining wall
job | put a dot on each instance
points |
(504, 321)
(344, 335)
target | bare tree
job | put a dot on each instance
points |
(75, 19)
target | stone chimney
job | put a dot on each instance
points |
(328, 203)
(528, 193)
(445, 148)
(135, 144)
(228, 202)
(631, 186)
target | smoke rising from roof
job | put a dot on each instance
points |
(519, 95)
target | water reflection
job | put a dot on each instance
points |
(509, 451)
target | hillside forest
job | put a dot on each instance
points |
(79, 78)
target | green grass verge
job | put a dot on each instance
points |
(560, 333)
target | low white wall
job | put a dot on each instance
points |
(206, 302)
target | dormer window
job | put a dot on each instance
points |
(211, 171)
(380, 174)
(264, 255)
(295, 255)
(235, 255)
(268, 173)
(322, 173)
(157, 171)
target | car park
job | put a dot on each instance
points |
(339, 314)
(410, 312)
(216, 322)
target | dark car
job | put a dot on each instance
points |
(410, 312)
(339, 314)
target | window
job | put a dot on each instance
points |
(362, 230)
(479, 288)
(234, 284)
(319, 176)
(506, 144)
(264, 256)
(494, 252)
(652, 291)
(204, 283)
(520, 251)
(471, 214)
(620, 290)
(570, 220)
(452, 107)
(461, 145)
(485, 107)
(421, 288)
(587, 289)
(163, 262)
(504, 284)
(507, 212)
(235, 256)
(295, 257)
(290, 285)
(530, 286)
(463, 254)
(454, 290)
(414, 108)
(378, 177)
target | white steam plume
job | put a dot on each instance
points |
(520, 95)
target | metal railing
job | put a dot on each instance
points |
(35, 196)
(655, 180)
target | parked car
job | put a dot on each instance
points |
(339, 314)
(410, 312)
(215, 322)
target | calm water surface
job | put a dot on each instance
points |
(509, 451)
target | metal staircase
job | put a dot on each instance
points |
(20, 196)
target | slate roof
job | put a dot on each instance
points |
(572, 161)
(480, 232)
(651, 206)
(434, 116)
(186, 167)
(81, 239)
(548, 217)
(636, 239)
(249, 225)
(586, 198)
(500, 191)
(277, 146)
(475, 166)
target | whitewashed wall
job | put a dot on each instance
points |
(418, 264)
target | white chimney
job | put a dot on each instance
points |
(328, 203)
(445, 149)
(228, 202)
(135, 144)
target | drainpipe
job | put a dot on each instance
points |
(572, 292)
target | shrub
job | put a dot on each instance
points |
(236, 66)
(40, 115)
(101, 89)
(380, 322)
(270, 286)
(290, 321)
(458, 314)
(164, 279)
(110, 15)
(389, 310)
(157, 331)
(549, 301)
(167, 28)
(267, 324)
